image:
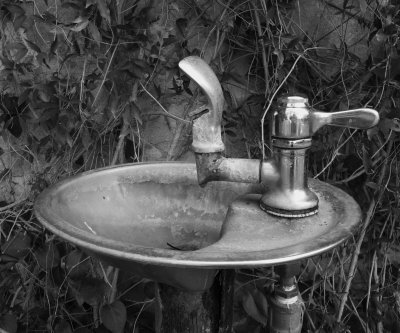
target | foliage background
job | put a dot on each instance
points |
(91, 83)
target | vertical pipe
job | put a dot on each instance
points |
(286, 304)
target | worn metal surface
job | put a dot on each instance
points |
(291, 197)
(215, 167)
(137, 216)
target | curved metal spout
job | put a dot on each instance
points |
(207, 128)
(207, 139)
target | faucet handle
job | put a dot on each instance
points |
(206, 128)
(358, 118)
(295, 119)
(293, 124)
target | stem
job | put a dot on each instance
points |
(121, 141)
(113, 292)
(262, 43)
(105, 74)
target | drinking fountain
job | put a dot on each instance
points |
(181, 223)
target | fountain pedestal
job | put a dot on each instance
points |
(208, 311)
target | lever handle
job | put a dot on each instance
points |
(295, 119)
(357, 118)
(206, 128)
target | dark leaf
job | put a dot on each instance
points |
(8, 323)
(55, 45)
(17, 246)
(44, 95)
(230, 132)
(114, 103)
(88, 290)
(18, 21)
(4, 172)
(76, 264)
(135, 113)
(63, 327)
(19, 49)
(363, 6)
(181, 25)
(372, 185)
(256, 306)
(100, 98)
(81, 23)
(86, 138)
(390, 124)
(7, 63)
(95, 33)
(72, 5)
(101, 329)
(158, 90)
(4, 259)
(113, 316)
(83, 330)
(48, 257)
(14, 126)
(24, 96)
(33, 46)
(42, 58)
(15, 10)
(104, 10)
(90, 2)
(49, 17)
(293, 43)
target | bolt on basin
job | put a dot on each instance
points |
(154, 220)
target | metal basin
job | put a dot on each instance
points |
(154, 220)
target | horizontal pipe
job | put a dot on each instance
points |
(215, 167)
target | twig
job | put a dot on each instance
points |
(262, 43)
(113, 292)
(273, 97)
(105, 74)
(335, 154)
(159, 104)
(361, 170)
(12, 205)
(396, 295)
(82, 85)
(121, 140)
(179, 130)
(370, 213)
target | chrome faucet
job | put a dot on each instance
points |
(293, 123)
